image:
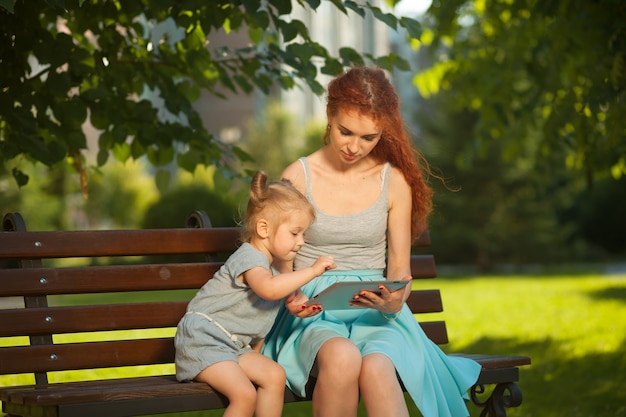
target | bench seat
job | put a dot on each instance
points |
(47, 286)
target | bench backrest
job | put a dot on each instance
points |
(48, 279)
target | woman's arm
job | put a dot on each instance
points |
(398, 247)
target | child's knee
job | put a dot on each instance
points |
(276, 375)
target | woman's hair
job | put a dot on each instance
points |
(274, 201)
(368, 92)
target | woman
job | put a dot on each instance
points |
(371, 202)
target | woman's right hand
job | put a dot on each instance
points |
(296, 305)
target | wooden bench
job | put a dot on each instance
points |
(48, 316)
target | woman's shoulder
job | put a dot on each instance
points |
(397, 181)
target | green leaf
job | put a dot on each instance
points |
(162, 180)
(339, 4)
(355, 7)
(189, 160)
(76, 140)
(332, 67)
(121, 151)
(71, 113)
(159, 156)
(256, 35)
(20, 177)
(387, 18)
(413, 27)
(102, 157)
(350, 57)
(314, 4)
(137, 148)
(392, 60)
(282, 6)
(302, 51)
(251, 6)
(292, 29)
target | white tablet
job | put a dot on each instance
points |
(339, 294)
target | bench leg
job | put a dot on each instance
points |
(503, 396)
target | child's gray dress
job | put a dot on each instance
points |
(224, 317)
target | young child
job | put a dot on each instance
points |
(218, 341)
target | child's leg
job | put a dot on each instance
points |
(270, 380)
(230, 379)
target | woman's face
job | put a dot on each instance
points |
(353, 136)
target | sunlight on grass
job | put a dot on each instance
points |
(572, 326)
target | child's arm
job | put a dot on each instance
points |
(275, 287)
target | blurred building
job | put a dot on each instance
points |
(227, 118)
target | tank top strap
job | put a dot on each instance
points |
(385, 173)
(307, 175)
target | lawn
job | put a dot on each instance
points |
(572, 325)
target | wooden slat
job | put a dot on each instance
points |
(423, 266)
(496, 361)
(72, 356)
(61, 244)
(425, 301)
(422, 240)
(74, 319)
(107, 390)
(99, 279)
(436, 331)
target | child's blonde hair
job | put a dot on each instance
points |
(275, 201)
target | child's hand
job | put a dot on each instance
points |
(322, 264)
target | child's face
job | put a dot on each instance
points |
(288, 237)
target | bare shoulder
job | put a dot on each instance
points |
(295, 173)
(397, 182)
(399, 189)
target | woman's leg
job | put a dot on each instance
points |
(336, 392)
(380, 388)
(270, 380)
(229, 379)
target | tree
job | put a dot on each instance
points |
(556, 67)
(65, 62)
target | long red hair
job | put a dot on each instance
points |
(368, 91)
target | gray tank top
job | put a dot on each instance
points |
(356, 241)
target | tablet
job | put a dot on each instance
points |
(339, 294)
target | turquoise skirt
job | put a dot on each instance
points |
(437, 383)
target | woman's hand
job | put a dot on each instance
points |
(385, 301)
(296, 305)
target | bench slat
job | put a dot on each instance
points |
(99, 279)
(425, 301)
(436, 331)
(75, 319)
(73, 356)
(73, 244)
(423, 266)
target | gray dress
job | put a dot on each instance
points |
(224, 317)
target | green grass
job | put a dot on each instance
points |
(572, 326)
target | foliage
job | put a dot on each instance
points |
(274, 141)
(489, 211)
(553, 72)
(119, 195)
(133, 68)
(219, 200)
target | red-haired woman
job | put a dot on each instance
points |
(371, 202)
